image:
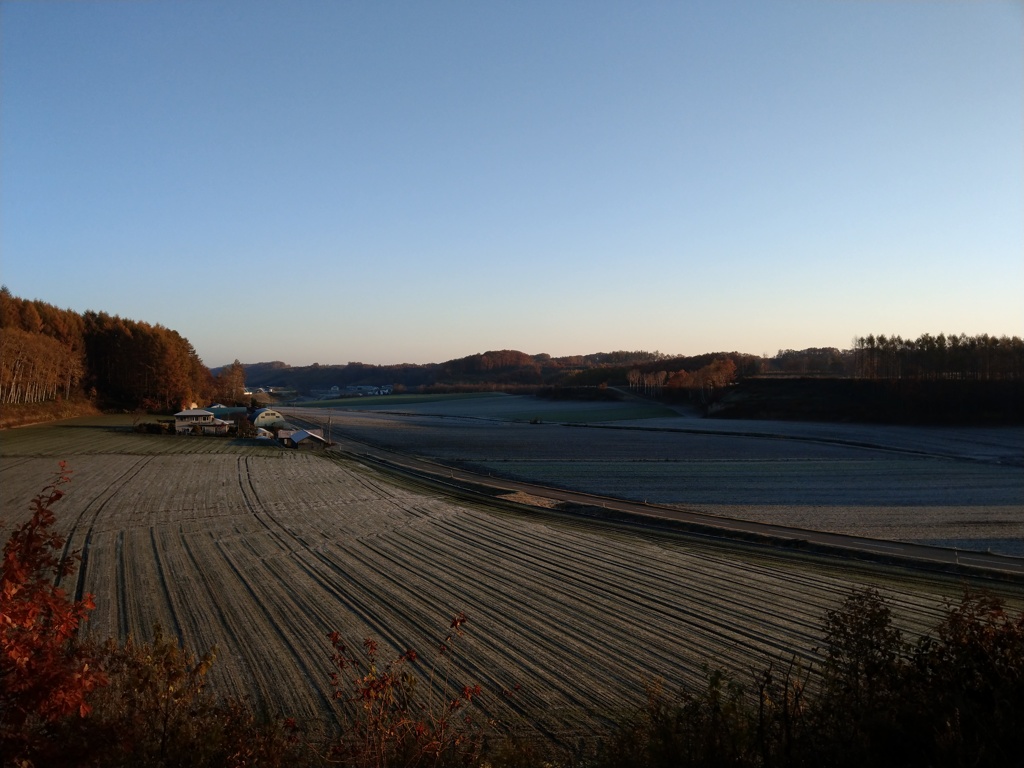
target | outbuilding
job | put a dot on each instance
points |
(304, 440)
(266, 417)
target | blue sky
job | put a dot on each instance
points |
(413, 182)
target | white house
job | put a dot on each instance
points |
(197, 420)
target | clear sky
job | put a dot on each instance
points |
(327, 181)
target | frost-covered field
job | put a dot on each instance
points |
(958, 486)
(263, 551)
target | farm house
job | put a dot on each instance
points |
(198, 420)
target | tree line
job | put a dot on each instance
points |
(938, 357)
(954, 357)
(48, 353)
(42, 351)
(699, 385)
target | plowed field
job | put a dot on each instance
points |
(262, 551)
(954, 487)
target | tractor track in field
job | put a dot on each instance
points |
(87, 518)
(263, 553)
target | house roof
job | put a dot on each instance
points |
(298, 437)
(194, 412)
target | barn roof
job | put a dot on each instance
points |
(255, 414)
(298, 437)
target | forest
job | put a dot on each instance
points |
(977, 358)
(48, 354)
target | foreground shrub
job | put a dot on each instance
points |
(955, 699)
(388, 724)
(720, 725)
(857, 713)
(692, 729)
(68, 702)
(44, 675)
(157, 711)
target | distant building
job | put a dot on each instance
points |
(359, 390)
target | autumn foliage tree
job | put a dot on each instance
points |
(47, 353)
(44, 675)
(137, 363)
(41, 351)
(229, 384)
(702, 384)
(67, 701)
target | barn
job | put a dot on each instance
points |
(266, 418)
(304, 440)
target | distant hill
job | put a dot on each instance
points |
(512, 368)
(53, 355)
(509, 368)
(954, 379)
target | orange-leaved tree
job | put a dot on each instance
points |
(44, 675)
